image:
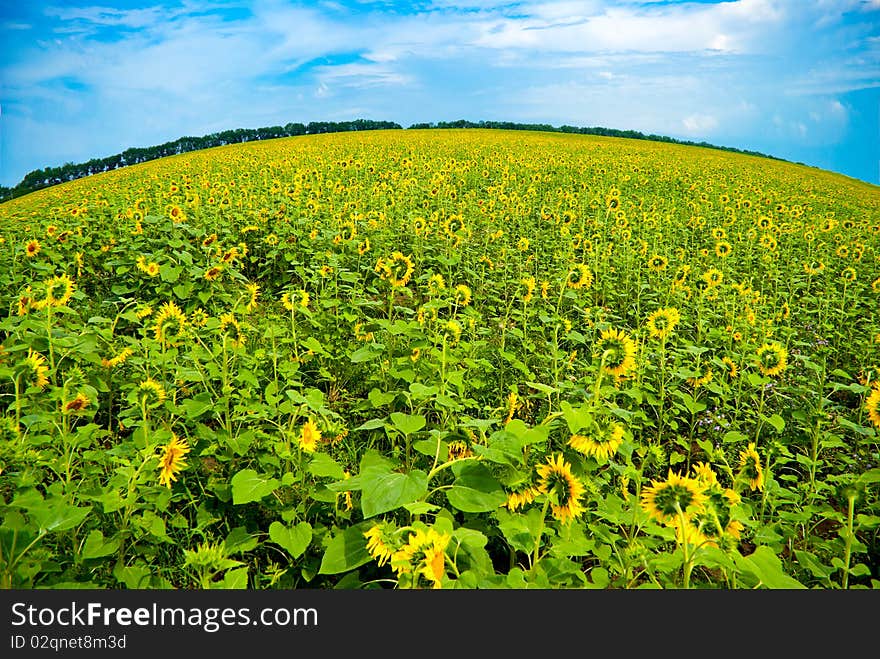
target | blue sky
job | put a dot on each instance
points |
(798, 79)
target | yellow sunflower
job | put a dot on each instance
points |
(173, 460)
(601, 444)
(661, 323)
(664, 500)
(309, 436)
(772, 358)
(563, 489)
(750, 467)
(169, 324)
(59, 290)
(872, 405)
(617, 352)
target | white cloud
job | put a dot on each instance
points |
(699, 124)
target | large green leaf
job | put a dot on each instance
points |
(383, 490)
(476, 490)
(248, 486)
(346, 551)
(766, 566)
(294, 539)
(408, 423)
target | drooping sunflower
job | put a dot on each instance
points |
(662, 322)
(253, 290)
(381, 542)
(422, 556)
(664, 500)
(59, 290)
(36, 372)
(522, 497)
(732, 369)
(872, 405)
(169, 324)
(600, 444)
(562, 487)
(213, 272)
(772, 358)
(617, 352)
(78, 404)
(529, 285)
(750, 467)
(399, 269)
(463, 295)
(118, 359)
(152, 393)
(173, 460)
(309, 436)
(580, 276)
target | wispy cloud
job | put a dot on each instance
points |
(82, 80)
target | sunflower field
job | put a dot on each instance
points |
(442, 359)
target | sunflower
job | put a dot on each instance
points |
(380, 542)
(32, 248)
(59, 290)
(152, 393)
(399, 268)
(750, 467)
(79, 403)
(423, 555)
(580, 276)
(772, 358)
(732, 369)
(872, 405)
(436, 283)
(601, 444)
(213, 272)
(722, 249)
(209, 240)
(253, 290)
(453, 328)
(520, 498)
(152, 269)
(118, 359)
(848, 274)
(814, 267)
(704, 473)
(657, 263)
(617, 352)
(529, 285)
(463, 294)
(169, 324)
(363, 246)
(661, 323)
(563, 489)
(173, 460)
(198, 318)
(664, 500)
(35, 369)
(713, 277)
(229, 326)
(309, 436)
(875, 285)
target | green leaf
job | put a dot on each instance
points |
(364, 354)
(764, 564)
(97, 546)
(733, 436)
(774, 420)
(295, 540)
(248, 486)
(239, 540)
(346, 551)
(383, 490)
(323, 466)
(59, 516)
(236, 579)
(476, 491)
(577, 418)
(193, 408)
(408, 423)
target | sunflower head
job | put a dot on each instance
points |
(59, 290)
(617, 352)
(666, 500)
(662, 322)
(772, 358)
(564, 490)
(750, 467)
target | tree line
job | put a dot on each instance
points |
(43, 178)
